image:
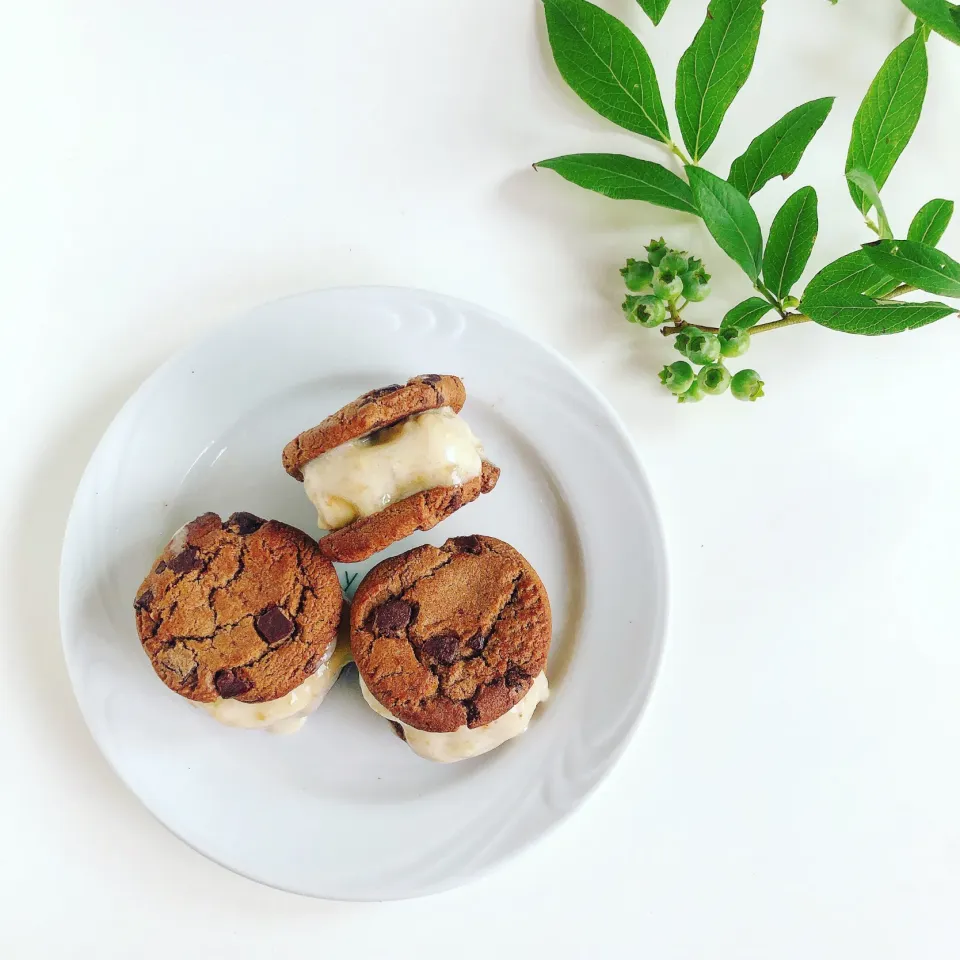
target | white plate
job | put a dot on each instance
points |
(344, 809)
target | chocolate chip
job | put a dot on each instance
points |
(160, 567)
(514, 677)
(470, 544)
(144, 600)
(392, 617)
(229, 685)
(445, 648)
(186, 560)
(430, 378)
(244, 523)
(372, 395)
(473, 714)
(274, 625)
(477, 642)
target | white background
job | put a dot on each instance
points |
(794, 788)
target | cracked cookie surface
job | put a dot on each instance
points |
(243, 608)
(451, 636)
(374, 410)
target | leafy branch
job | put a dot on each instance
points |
(609, 68)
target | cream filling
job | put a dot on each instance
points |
(360, 478)
(466, 742)
(286, 714)
(178, 541)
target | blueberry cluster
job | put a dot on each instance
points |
(656, 286)
(705, 349)
(669, 274)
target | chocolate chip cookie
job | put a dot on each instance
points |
(395, 460)
(244, 608)
(374, 410)
(451, 636)
(421, 511)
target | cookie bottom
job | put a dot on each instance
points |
(289, 713)
(466, 742)
(421, 511)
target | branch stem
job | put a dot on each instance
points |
(678, 152)
(679, 324)
(762, 289)
(788, 321)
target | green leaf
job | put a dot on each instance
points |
(888, 115)
(654, 9)
(860, 178)
(929, 226)
(938, 15)
(931, 222)
(834, 299)
(855, 313)
(607, 66)
(624, 178)
(729, 218)
(918, 265)
(790, 243)
(853, 273)
(777, 151)
(714, 68)
(747, 314)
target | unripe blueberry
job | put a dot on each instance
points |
(696, 285)
(734, 342)
(675, 261)
(678, 377)
(714, 378)
(747, 385)
(693, 395)
(683, 338)
(656, 250)
(646, 310)
(704, 348)
(666, 284)
(637, 275)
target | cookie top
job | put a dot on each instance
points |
(420, 511)
(244, 608)
(375, 410)
(451, 636)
